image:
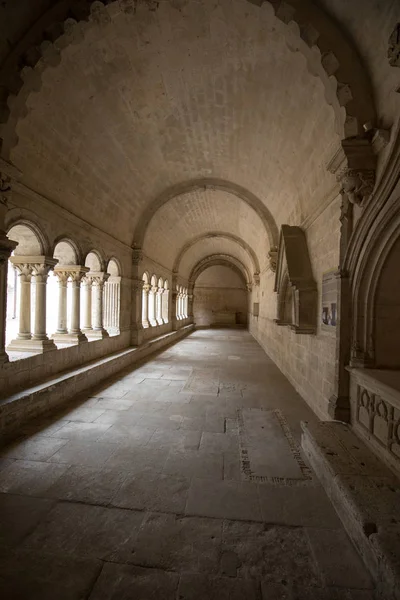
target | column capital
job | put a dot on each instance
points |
(98, 278)
(354, 164)
(41, 270)
(153, 288)
(273, 260)
(137, 256)
(75, 272)
(137, 285)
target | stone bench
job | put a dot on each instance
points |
(366, 495)
(17, 409)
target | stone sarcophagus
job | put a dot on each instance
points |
(375, 411)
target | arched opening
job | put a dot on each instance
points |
(112, 298)
(159, 295)
(28, 270)
(220, 297)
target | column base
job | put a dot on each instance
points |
(31, 345)
(68, 338)
(97, 334)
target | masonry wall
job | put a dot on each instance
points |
(219, 294)
(308, 361)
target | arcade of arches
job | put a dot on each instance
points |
(219, 181)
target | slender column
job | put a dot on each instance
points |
(152, 306)
(75, 334)
(62, 277)
(25, 277)
(165, 298)
(159, 317)
(145, 305)
(98, 291)
(87, 304)
(41, 273)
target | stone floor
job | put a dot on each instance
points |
(182, 479)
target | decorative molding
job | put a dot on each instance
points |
(272, 258)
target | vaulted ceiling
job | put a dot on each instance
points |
(136, 102)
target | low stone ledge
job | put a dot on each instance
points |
(365, 494)
(17, 409)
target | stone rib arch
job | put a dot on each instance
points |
(223, 235)
(225, 260)
(214, 184)
(64, 24)
(71, 242)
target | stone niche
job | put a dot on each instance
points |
(294, 283)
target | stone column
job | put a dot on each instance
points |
(339, 402)
(87, 305)
(20, 343)
(190, 306)
(165, 306)
(152, 306)
(62, 277)
(145, 304)
(75, 334)
(98, 281)
(41, 273)
(159, 315)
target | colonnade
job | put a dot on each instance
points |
(182, 303)
(100, 304)
(155, 301)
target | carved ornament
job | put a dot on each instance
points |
(394, 47)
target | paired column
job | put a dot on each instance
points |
(98, 281)
(87, 305)
(164, 304)
(145, 305)
(152, 306)
(37, 267)
(159, 298)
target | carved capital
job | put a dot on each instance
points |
(137, 285)
(354, 165)
(256, 278)
(273, 258)
(393, 52)
(41, 272)
(137, 256)
(24, 271)
(249, 287)
(357, 184)
(73, 272)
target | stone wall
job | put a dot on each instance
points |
(219, 294)
(307, 360)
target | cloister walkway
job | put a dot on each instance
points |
(180, 479)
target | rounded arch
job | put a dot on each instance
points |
(160, 282)
(214, 184)
(219, 260)
(375, 287)
(114, 267)
(94, 260)
(146, 277)
(166, 284)
(66, 251)
(328, 52)
(223, 235)
(31, 240)
(153, 280)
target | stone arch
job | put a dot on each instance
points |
(375, 290)
(30, 238)
(146, 277)
(114, 267)
(224, 260)
(328, 53)
(218, 234)
(208, 183)
(94, 260)
(66, 251)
